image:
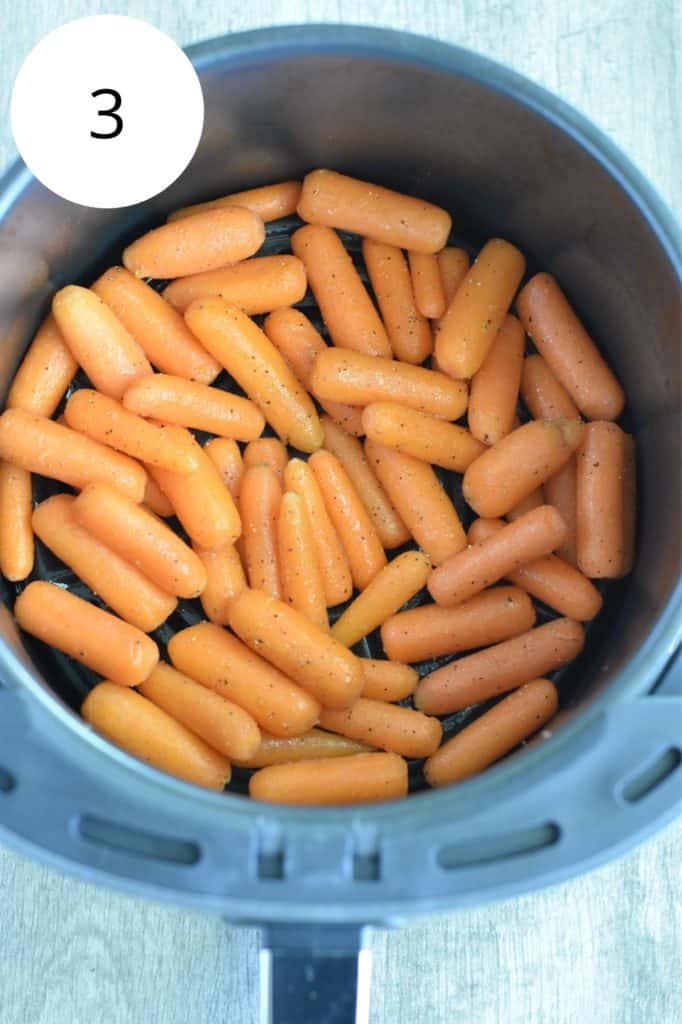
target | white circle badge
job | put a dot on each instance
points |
(107, 111)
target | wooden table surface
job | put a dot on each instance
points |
(603, 949)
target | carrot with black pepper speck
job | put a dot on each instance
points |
(300, 573)
(259, 501)
(408, 329)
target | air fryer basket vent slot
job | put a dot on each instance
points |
(501, 847)
(651, 775)
(366, 867)
(140, 844)
(7, 782)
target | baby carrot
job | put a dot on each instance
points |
(551, 580)
(86, 633)
(560, 491)
(221, 662)
(388, 726)
(431, 631)
(201, 502)
(136, 534)
(16, 532)
(311, 746)
(107, 421)
(501, 668)
(427, 284)
(569, 351)
(390, 589)
(387, 680)
(346, 308)
(270, 202)
(156, 500)
(292, 334)
(604, 500)
(119, 583)
(256, 286)
(305, 653)
(420, 499)
(495, 386)
(259, 502)
(190, 404)
(544, 397)
(468, 572)
(454, 265)
(494, 734)
(423, 437)
(132, 722)
(527, 504)
(408, 330)
(222, 724)
(224, 578)
(332, 559)
(254, 362)
(359, 379)
(192, 245)
(161, 332)
(497, 481)
(301, 576)
(356, 779)
(50, 449)
(351, 520)
(475, 315)
(225, 455)
(348, 450)
(267, 451)
(45, 373)
(373, 212)
(98, 341)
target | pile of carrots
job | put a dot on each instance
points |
(270, 539)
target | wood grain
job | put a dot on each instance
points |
(603, 948)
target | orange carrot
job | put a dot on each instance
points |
(390, 589)
(373, 211)
(256, 286)
(478, 308)
(494, 734)
(388, 726)
(331, 557)
(292, 334)
(270, 202)
(501, 668)
(222, 724)
(311, 746)
(497, 481)
(431, 631)
(225, 455)
(119, 583)
(156, 500)
(423, 505)
(495, 386)
(408, 330)
(107, 421)
(190, 404)
(427, 284)
(307, 654)
(50, 449)
(346, 308)
(453, 265)
(218, 660)
(387, 680)
(140, 538)
(16, 533)
(225, 578)
(348, 450)
(356, 531)
(604, 501)
(358, 379)
(301, 576)
(150, 734)
(259, 501)
(267, 451)
(45, 373)
(161, 332)
(544, 396)
(192, 245)
(423, 437)
(245, 352)
(570, 353)
(560, 491)
(356, 779)
(527, 504)
(86, 633)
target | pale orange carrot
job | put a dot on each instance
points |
(544, 397)
(224, 578)
(427, 284)
(423, 437)
(267, 451)
(531, 501)
(560, 491)
(259, 501)
(256, 286)
(387, 726)
(454, 265)
(190, 404)
(495, 386)
(225, 455)
(45, 373)
(300, 573)
(356, 779)
(88, 634)
(604, 500)
(408, 330)
(387, 680)
(156, 500)
(311, 746)
(16, 532)
(270, 202)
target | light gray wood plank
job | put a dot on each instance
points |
(601, 948)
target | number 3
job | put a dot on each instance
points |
(116, 97)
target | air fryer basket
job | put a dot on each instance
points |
(506, 159)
